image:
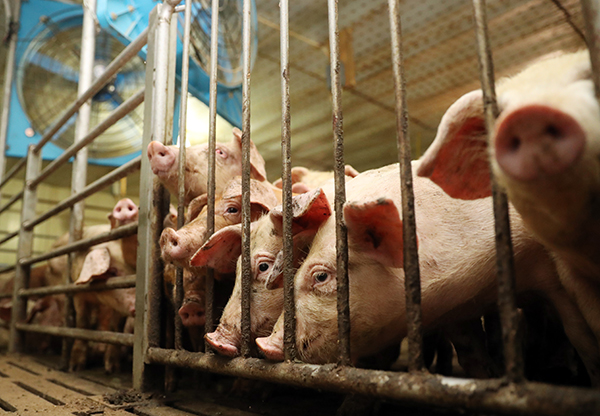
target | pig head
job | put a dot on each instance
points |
(126, 212)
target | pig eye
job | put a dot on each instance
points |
(221, 153)
(320, 277)
(232, 210)
(263, 267)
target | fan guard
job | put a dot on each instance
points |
(47, 79)
(229, 62)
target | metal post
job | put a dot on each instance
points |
(341, 232)
(153, 201)
(507, 301)
(24, 249)
(591, 18)
(412, 280)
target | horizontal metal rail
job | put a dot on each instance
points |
(124, 231)
(11, 201)
(5, 295)
(6, 269)
(121, 282)
(13, 171)
(9, 237)
(121, 111)
(101, 183)
(109, 337)
(496, 396)
(131, 50)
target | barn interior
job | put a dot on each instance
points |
(440, 65)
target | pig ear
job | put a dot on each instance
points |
(95, 266)
(350, 171)
(257, 162)
(309, 211)
(6, 310)
(457, 160)
(195, 207)
(275, 278)
(221, 251)
(298, 173)
(375, 229)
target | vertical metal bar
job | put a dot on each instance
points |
(212, 123)
(507, 303)
(591, 18)
(412, 280)
(24, 249)
(9, 72)
(289, 334)
(246, 272)
(153, 202)
(343, 290)
(185, 69)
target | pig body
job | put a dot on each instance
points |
(457, 260)
(304, 179)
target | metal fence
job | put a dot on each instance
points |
(508, 395)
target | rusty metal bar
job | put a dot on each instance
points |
(11, 201)
(13, 171)
(289, 307)
(412, 281)
(343, 290)
(130, 51)
(109, 337)
(24, 249)
(121, 111)
(5, 295)
(591, 18)
(490, 396)
(507, 301)
(115, 234)
(211, 185)
(6, 269)
(121, 282)
(9, 237)
(246, 345)
(92, 188)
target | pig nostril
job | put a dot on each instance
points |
(514, 144)
(553, 132)
(161, 153)
(174, 242)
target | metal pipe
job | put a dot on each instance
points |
(246, 344)
(9, 237)
(343, 290)
(211, 184)
(109, 337)
(130, 51)
(13, 171)
(5, 295)
(24, 249)
(289, 333)
(92, 188)
(6, 269)
(83, 244)
(591, 19)
(507, 300)
(496, 396)
(121, 111)
(11, 201)
(412, 282)
(121, 282)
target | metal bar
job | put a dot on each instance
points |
(289, 333)
(13, 171)
(11, 201)
(343, 290)
(115, 234)
(131, 50)
(24, 249)
(507, 301)
(92, 188)
(494, 396)
(121, 111)
(6, 269)
(109, 337)
(246, 344)
(412, 282)
(591, 18)
(9, 237)
(5, 295)
(211, 184)
(121, 282)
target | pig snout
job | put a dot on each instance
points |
(192, 314)
(160, 156)
(171, 246)
(125, 211)
(270, 348)
(222, 343)
(536, 141)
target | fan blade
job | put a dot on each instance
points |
(65, 126)
(54, 66)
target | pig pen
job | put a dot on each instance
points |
(159, 360)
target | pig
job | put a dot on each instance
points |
(126, 212)
(178, 246)
(304, 180)
(457, 261)
(164, 163)
(544, 152)
(222, 251)
(37, 278)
